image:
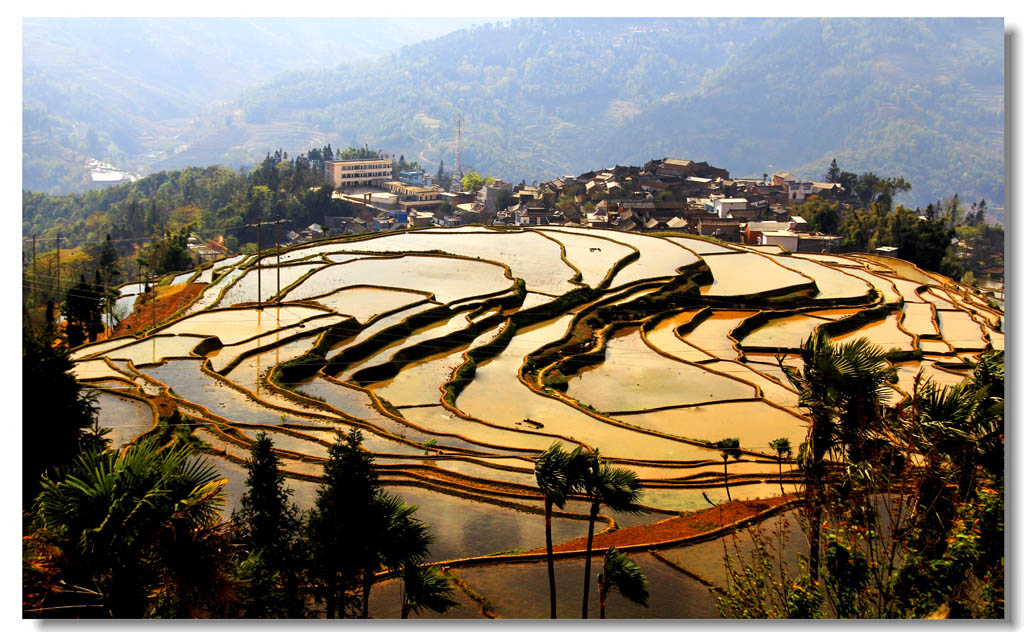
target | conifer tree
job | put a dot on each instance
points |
(268, 527)
(56, 409)
(336, 524)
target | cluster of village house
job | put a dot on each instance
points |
(663, 195)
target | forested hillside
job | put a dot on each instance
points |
(135, 91)
(921, 98)
(538, 97)
(918, 98)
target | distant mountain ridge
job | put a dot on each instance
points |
(145, 87)
(921, 98)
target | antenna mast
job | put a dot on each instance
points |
(458, 146)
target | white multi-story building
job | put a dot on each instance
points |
(722, 206)
(357, 173)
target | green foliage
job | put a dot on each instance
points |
(425, 588)
(623, 575)
(268, 528)
(473, 181)
(217, 202)
(169, 254)
(140, 529)
(101, 103)
(82, 312)
(909, 515)
(555, 379)
(360, 153)
(557, 473)
(600, 484)
(923, 98)
(852, 69)
(349, 484)
(356, 529)
(51, 393)
(730, 448)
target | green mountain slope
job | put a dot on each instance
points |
(922, 98)
(136, 90)
(919, 98)
(536, 95)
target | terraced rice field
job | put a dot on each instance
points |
(462, 354)
(750, 273)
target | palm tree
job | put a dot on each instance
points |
(954, 429)
(782, 450)
(617, 488)
(730, 449)
(622, 574)
(423, 587)
(866, 386)
(843, 386)
(140, 528)
(395, 539)
(556, 477)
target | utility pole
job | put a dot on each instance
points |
(57, 293)
(35, 297)
(458, 147)
(152, 288)
(278, 222)
(259, 276)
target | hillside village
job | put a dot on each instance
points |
(668, 194)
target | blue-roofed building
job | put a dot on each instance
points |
(419, 178)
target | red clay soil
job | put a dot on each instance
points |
(164, 405)
(166, 304)
(676, 528)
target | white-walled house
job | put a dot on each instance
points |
(724, 205)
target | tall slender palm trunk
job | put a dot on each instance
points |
(812, 493)
(367, 587)
(329, 607)
(783, 491)
(725, 463)
(602, 591)
(814, 550)
(586, 566)
(551, 556)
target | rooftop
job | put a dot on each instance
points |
(356, 160)
(677, 162)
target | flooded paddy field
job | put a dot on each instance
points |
(535, 259)
(712, 333)
(521, 590)
(883, 285)
(126, 418)
(832, 282)
(787, 332)
(749, 273)
(885, 333)
(455, 430)
(265, 280)
(594, 256)
(703, 247)
(755, 423)
(450, 279)
(634, 377)
(960, 330)
(663, 337)
(658, 257)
